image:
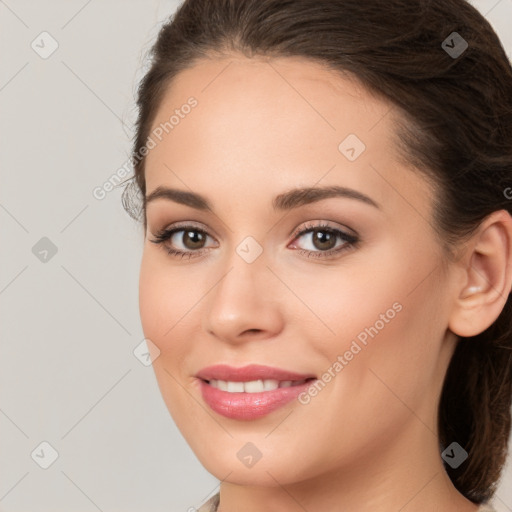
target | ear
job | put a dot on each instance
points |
(487, 278)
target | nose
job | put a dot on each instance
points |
(243, 304)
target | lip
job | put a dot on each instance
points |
(249, 406)
(249, 372)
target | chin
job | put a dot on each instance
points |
(271, 465)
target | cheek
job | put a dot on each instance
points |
(151, 285)
(343, 303)
(165, 303)
(385, 315)
(393, 343)
(166, 298)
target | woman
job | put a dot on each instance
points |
(328, 250)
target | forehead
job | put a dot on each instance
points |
(262, 124)
(253, 91)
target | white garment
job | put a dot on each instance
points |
(212, 504)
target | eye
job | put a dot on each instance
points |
(190, 237)
(321, 240)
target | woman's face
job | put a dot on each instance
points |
(361, 305)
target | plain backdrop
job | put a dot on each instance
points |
(70, 322)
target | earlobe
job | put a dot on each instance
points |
(487, 277)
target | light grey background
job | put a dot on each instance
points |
(68, 375)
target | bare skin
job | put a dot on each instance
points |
(368, 441)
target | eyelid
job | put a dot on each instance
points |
(183, 225)
(310, 225)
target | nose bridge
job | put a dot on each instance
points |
(245, 268)
(242, 298)
(249, 250)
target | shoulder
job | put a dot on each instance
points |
(212, 504)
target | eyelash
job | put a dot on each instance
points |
(350, 240)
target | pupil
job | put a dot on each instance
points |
(323, 237)
(197, 239)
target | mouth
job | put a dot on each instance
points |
(250, 392)
(250, 373)
(254, 386)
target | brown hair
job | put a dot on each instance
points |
(456, 128)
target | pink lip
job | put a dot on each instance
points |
(249, 372)
(249, 406)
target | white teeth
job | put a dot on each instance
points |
(269, 385)
(221, 384)
(253, 386)
(235, 387)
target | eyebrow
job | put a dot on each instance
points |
(286, 201)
